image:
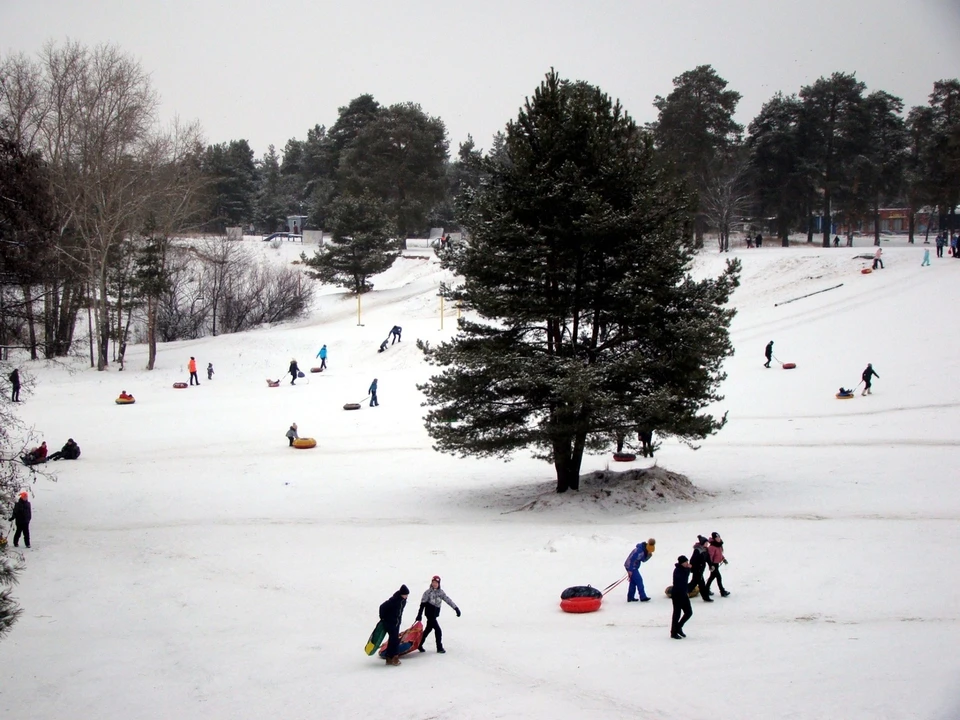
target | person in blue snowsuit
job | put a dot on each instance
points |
(372, 392)
(641, 553)
(323, 357)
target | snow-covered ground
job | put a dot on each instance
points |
(191, 565)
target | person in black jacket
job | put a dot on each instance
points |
(868, 373)
(698, 564)
(69, 451)
(294, 371)
(768, 354)
(15, 384)
(21, 516)
(391, 615)
(681, 602)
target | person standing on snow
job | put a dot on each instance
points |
(372, 392)
(294, 371)
(391, 615)
(323, 357)
(681, 602)
(292, 434)
(698, 566)
(717, 559)
(768, 354)
(430, 605)
(192, 367)
(209, 371)
(640, 554)
(926, 257)
(868, 373)
(14, 378)
(876, 258)
(21, 517)
(395, 332)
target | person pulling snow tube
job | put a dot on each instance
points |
(304, 443)
(580, 599)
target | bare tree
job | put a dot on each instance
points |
(725, 196)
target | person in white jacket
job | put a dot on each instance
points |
(430, 606)
(876, 258)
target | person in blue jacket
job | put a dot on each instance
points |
(640, 554)
(391, 615)
(323, 357)
(681, 601)
(372, 392)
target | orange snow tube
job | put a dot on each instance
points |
(125, 401)
(304, 443)
(867, 271)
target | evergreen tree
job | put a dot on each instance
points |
(232, 173)
(917, 186)
(881, 165)
(361, 245)
(943, 165)
(352, 119)
(588, 322)
(270, 207)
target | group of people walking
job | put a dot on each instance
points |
(391, 617)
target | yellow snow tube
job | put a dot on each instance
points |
(304, 443)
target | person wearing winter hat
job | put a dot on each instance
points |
(22, 516)
(391, 615)
(717, 559)
(699, 559)
(679, 597)
(36, 456)
(640, 554)
(430, 605)
(292, 434)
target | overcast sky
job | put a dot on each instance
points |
(268, 71)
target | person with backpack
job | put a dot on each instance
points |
(391, 615)
(639, 555)
(14, 378)
(868, 374)
(22, 514)
(698, 566)
(323, 357)
(192, 367)
(715, 550)
(430, 606)
(294, 371)
(682, 610)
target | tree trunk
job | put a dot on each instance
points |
(876, 222)
(90, 325)
(31, 325)
(568, 472)
(151, 332)
(810, 226)
(826, 218)
(911, 224)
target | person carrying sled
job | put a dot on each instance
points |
(768, 354)
(21, 517)
(715, 550)
(192, 367)
(680, 599)
(69, 451)
(868, 374)
(292, 434)
(698, 566)
(209, 371)
(14, 378)
(36, 456)
(640, 554)
(391, 615)
(294, 371)
(430, 606)
(372, 392)
(395, 333)
(323, 357)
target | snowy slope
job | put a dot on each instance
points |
(191, 565)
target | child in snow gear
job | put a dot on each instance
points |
(69, 451)
(37, 455)
(768, 353)
(844, 392)
(868, 373)
(391, 615)
(715, 551)
(294, 371)
(430, 605)
(14, 378)
(698, 565)
(395, 333)
(640, 554)
(383, 346)
(681, 603)
(372, 392)
(926, 257)
(876, 258)
(192, 367)
(21, 516)
(292, 434)
(124, 395)
(209, 371)
(323, 357)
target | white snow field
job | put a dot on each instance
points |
(191, 565)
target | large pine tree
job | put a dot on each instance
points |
(588, 322)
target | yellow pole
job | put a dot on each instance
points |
(358, 308)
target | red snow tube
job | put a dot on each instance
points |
(789, 366)
(580, 599)
(867, 271)
(316, 370)
(624, 457)
(180, 385)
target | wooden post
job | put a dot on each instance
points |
(358, 310)
(441, 311)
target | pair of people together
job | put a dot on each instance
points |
(391, 615)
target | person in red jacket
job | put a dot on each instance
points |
(192, 367)
(715, 550)
(36, 456)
